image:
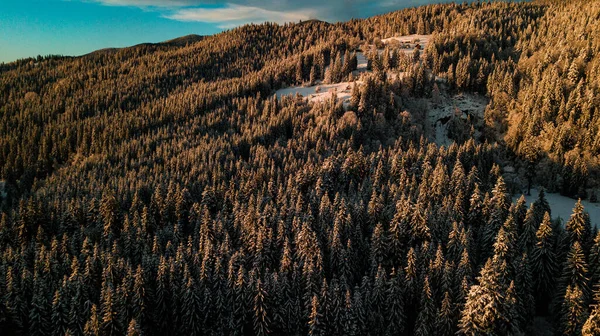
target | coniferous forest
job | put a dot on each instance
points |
(165, 189)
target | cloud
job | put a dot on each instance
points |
(230, 13)
(234, 15)
(150, 3)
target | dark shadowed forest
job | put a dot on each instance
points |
(165, 189)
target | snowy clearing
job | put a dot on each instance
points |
(408, 43)
(343, 90)
(463, 105)
(362, 62)
(563, 206)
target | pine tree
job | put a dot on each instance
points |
(575, 271)
(594, 260)
(377, 301)
(162, 299)
(313, 75)
(379, 247)
(445, 323)
(92, 326)
(109, 324)
(60, 319)
(300, 70)
(427, 314)
(573, 312)
(316, 324)
(191, 307)
(592, 325)
(139, 300)
(544, 264)
(524, 289)
(395, 305)
(532, 154)
(491, 307)
(541, 206)
(355, 98)
(108, 211)
(499, 211)
(134, 329)
(358, 313)
(527, 239)
(261, 317)
(76, 317)
(39, 313)
(578, 226)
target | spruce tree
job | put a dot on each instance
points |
(109, 324)
(261, 316)
(191, 307)
(578, 226)
(574, 312)
(594, 261)
(575, 271)
(60, 318)
(40, 311)
(395, 305)
(544, 264)
(427, 312)
(592, 325)
(92, 326)
(445, 323)
(316, 325)
(541, 206)
(133, 329)
(527, 239)
(491, 307)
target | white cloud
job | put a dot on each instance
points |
(149, 3)
(229, 13)
(233, 15)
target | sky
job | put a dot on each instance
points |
(75, 27)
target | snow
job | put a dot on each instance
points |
(441, 134)
(343, 90)
(409, 42)
(361, 61)
(563, 206)
(465, 104)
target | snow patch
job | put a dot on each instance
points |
(408, 43)
(463, 105)
(361, 61)
(321, 92)
(563, 206)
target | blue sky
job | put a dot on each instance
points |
(75, 27)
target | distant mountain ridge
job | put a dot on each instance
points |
(176, 42)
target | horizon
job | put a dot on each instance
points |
(32, 28)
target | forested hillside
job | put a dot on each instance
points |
(166, 189)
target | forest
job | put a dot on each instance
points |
(166, 189)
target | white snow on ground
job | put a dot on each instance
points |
(441, 134)
(361, 61)
(464, 104)
(343, 90)
(408, 43)
(563, 206)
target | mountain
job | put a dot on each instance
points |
(322, 178)
(153, 47)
